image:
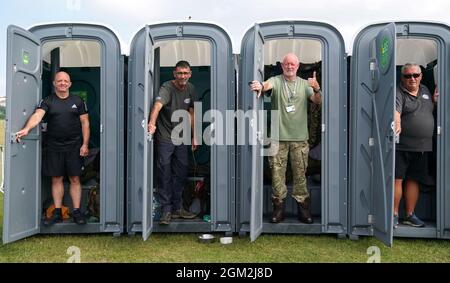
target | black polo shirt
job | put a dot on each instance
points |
(417, 119)
(63, 121)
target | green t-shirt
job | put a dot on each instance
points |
(290, 98)
(172, 99)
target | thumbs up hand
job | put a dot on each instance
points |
(312, 82)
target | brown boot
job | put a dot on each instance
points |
(278, 210)
(304, 211)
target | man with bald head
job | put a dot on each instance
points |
(67, 143)
(289, 96)
(414, 123)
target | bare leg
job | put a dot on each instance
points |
(75, 191)
(411, 196)
(57, 190)
(397, 195)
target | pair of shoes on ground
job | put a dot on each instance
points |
(180, 213)
(411, 220)
(78, 218)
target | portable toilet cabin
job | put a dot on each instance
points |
(91, 56)
(320, 48)
(379, 51)
(155, 50)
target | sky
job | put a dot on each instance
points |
(125, 18)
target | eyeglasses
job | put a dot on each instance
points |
(182, 73)
(409, 76)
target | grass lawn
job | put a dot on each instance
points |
(185, 248)
(2, 143)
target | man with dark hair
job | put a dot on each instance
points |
(67, 143)
(414, 122)
(172, 154)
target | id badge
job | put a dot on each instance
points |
(290, 109)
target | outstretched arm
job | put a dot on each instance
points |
(260, 87)
(32, 122)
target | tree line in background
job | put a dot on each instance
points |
(2, 112)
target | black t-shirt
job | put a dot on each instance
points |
(63, 121)
(417, 120)
(172, 99)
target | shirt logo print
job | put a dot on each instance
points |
(74, 107)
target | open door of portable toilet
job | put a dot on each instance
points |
(376, 58)
(26, 70)
(144, 74)
(253, 195)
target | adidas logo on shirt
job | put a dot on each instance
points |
(74, 106)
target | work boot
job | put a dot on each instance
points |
(56, 218)
(165, 218)
(78, 217)
(181, 213)
(304, 211)
(278, 210)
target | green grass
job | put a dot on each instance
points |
(185, 248)
(2, 143)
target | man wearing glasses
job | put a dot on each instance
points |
(414, 122)
(171, 153)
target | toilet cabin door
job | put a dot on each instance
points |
(22, 160)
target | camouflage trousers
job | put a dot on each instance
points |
(298, 153)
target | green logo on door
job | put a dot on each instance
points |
(385, 54)
(25, 57)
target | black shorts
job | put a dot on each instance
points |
(413, 166)
(68, 163)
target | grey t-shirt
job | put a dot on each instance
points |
(172, 99)
(417, 120)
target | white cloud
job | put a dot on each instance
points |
(236, 16)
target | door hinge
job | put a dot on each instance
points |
(323, 128)
(69, 31)
(371, 141)
(291, 30)
(370, 219)
(439, 130)
(179, 31)
(372, 65)
(404, 29)
(101, 128)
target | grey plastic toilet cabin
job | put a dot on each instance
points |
(372, 143)
(329, 198)
(24, 186)
(143, 84)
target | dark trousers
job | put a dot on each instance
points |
(171, 174)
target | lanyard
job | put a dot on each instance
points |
(290, 93)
